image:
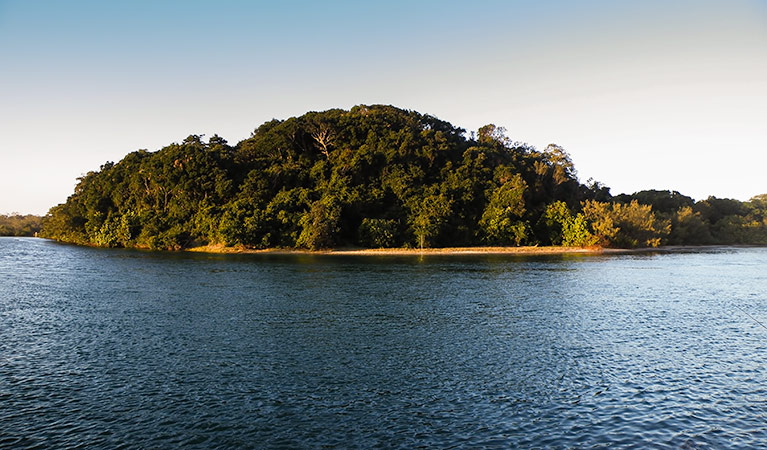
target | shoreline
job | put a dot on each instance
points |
(479, 250)
(529, 250)
(489, 250)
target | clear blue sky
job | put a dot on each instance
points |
(643, 95)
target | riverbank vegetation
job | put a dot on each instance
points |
(378, 176)
(19, 225)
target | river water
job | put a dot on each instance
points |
(117, 348)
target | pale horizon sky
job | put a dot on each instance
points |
(643, 95)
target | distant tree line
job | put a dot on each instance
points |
(377, 176)
(19, 225)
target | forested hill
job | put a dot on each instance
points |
(376, 176)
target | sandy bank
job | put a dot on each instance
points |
(415, 251)
(531, 250)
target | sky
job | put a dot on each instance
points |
(643, 95)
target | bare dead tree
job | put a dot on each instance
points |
(324, 137)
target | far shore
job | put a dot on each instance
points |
(528, 250)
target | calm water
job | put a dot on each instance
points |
(110, 348)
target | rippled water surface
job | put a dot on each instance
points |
(110, 348)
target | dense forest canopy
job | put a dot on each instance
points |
(19, 225)
(377, 176)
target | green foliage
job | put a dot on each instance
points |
(734, 222)
(565, 229)
(687, 227)
(638, 225)
(20, 225)
(501, 220)
(374, 176)
(555, 218)
(380, 233)
(740, 230)
(758, 205)
(576, 233)
(601, 222)
(667, 202)
(427, 216)
(594, 190)
(320, 224)
(244, 224)
(625, 225)
(713, 209)
(108, 233)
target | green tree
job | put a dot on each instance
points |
(600, 219)
(565, 229)
(380, 233)
(320, 224)
(427, 216)
(501, 220)
(243, 223)
(688, 228)
(625, 225)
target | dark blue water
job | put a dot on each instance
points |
(112, 348)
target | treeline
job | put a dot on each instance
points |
(19, 225)
(653, 218)
(376, 176)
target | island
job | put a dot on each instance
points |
(378, 177)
